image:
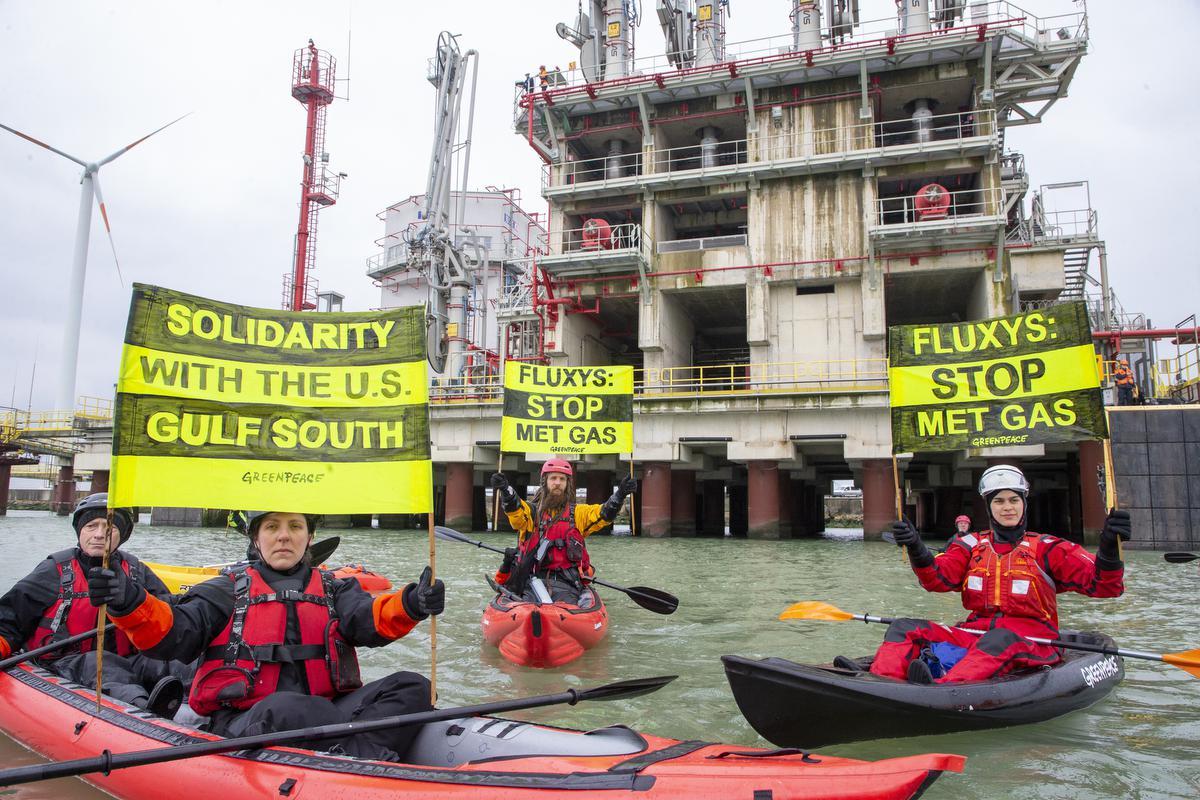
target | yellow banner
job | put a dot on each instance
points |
(1050, 372)
(573, 410)
(225, 406)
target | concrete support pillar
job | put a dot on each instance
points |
(787, 516)
(655, 517)
(923, 517)
(712, 514)
(879, 497)
(1091, 463)
(5, 476)
(683, 502)
(64, 491)
(99, 481)
(599, 484)
(763, 495)
(460, 478)
(479, 512)
(816, 506)
(739, 511)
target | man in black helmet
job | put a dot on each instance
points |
(52, 603)
(277, 638)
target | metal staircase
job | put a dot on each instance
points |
(1075, 269)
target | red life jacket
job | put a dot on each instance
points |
(73, 612)
(1013, 584)
(565, 545)
(242, 664)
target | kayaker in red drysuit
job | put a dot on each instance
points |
(1009, 579)
(51, 603)
(277, 640)
(553, 549)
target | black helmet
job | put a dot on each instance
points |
(95, 506)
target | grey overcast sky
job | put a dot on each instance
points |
(209, 206)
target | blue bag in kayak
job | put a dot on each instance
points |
(947, 655)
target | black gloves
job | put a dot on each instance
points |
(510, 559)
(627, 486)
(115, 588)
(1117, 527)
(508, 496)
(906, 536)
(426, 597)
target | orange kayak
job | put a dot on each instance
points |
(372, 582)
(543, 634)
(514, 760)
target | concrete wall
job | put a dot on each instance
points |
(825, 327)
(1156, 456)
(802, 219)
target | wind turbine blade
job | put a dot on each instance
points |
(39, 143)
(107, 227)
(129, 147)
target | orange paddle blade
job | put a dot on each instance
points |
(1188, 661)
(815, 609)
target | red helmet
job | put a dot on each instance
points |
(559, 465)
(962, 518)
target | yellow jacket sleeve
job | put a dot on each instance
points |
(588, 519)
(521, 521)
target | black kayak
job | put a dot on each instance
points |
(798, 705)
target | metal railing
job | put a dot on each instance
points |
(996, 14)
(847, 375)
(1078, 223)
(964, 203)
(772, 148)
(598, 239)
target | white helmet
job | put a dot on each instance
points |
(1001, 477)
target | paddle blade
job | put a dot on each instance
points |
(815, 609)
(623, 689)
(442, 532)
(1188, 661)
(323, 549)
(655, 600)
(1180, 558)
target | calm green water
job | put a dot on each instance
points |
(1139, 743)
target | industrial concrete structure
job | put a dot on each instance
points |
(743, 222)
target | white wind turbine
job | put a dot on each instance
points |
(90, 183)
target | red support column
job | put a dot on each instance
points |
(655, 517)
(787, 516)
(879, 497)
(763, 490)
(460, 478)
(1091, 463)
(99, 481)
(64, 491)
(599, 485)
(712, 522)
(5, 475)
(683, 502)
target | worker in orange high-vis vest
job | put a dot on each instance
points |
(1009, 579)
(1123, 378)
(52, 603)
(277, 639)
(551, 533)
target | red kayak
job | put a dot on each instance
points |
(543, 634)
(470, 758)
(372, 582)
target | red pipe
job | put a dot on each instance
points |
(1150, 333)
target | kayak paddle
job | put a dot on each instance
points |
(1180, 558)
(1188, 661)
(21, 658)
(655, 600)
(107, 762)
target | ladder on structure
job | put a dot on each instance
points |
(1075, 271)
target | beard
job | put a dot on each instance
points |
(552, 501)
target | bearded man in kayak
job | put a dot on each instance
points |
(277, 640)
(551, 560)
(1009, 578)
(52, 603)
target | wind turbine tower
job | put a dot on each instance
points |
(312, 85)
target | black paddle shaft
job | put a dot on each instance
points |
(107, 762)
(650, 599)
(21, 658)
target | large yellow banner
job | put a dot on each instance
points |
(226, 406)
(574, 410)
(1023, 379)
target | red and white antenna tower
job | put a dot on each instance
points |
(312, 85)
